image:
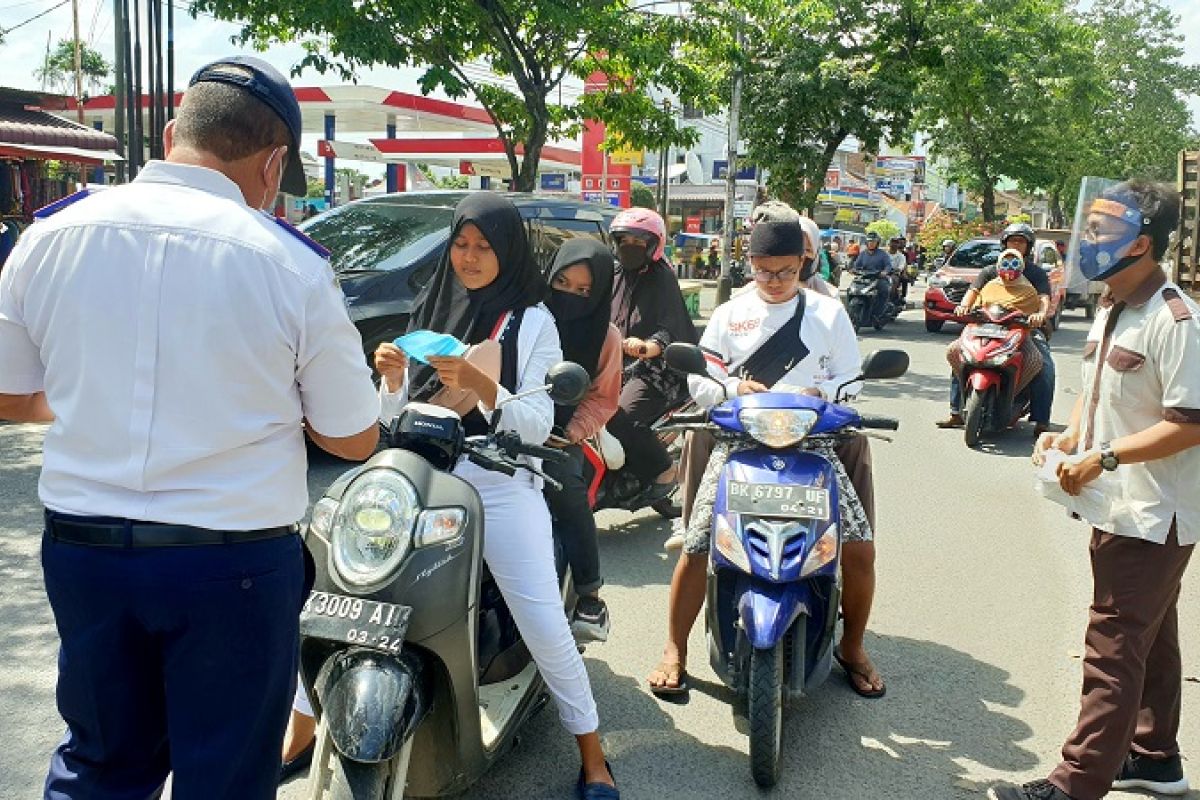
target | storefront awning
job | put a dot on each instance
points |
(76, 155)
(27, 125)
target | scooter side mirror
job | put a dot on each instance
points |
(569, 383)
(686, 358)
(884, 364)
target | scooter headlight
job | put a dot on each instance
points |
(373, 526)
(778, 427)
(729, 544)
(822, 552)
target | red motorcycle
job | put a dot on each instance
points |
(612, 486)
(995, 370)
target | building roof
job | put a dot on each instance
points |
(24, 122)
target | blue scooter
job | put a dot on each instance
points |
(773, 581)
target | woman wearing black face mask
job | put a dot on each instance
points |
(649, 311)
(580, 300)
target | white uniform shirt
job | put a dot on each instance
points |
(180, 337)
(1151, 373)
(738, 327)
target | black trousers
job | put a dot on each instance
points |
(640, 407)
(574, 523)
(174, 659)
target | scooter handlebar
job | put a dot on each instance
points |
(880, 423)
(688, 418)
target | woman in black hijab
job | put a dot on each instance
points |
(580, 299)
(487, 286)
(649, 311)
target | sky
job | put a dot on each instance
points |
(201, 40)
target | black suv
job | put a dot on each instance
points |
(386, 248)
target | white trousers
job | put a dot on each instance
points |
(518, 547)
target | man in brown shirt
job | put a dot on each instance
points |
(1138, 417)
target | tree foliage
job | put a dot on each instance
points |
(885, 228)
(58, 71)
(641, 196)
(821, 71)
(531, 47)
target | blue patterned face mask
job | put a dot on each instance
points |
(423, 344)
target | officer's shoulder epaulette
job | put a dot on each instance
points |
(1175, 302)
(58, 205)
(304, 238)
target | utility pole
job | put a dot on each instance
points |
(78, 64)
(725, 284)
(119, 111)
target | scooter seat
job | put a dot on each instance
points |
(610, 449)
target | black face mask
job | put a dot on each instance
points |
(632, 256)
(569, 306)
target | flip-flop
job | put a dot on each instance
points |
(851, 673)
(668, 668)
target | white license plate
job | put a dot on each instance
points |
(991, 331)
(777, 500)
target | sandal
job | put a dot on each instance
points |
(856, 671)
(670, 670)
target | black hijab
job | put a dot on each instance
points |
(583, 321)
(648, 300)
(446, 306)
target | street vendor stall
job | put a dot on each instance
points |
(40, 157)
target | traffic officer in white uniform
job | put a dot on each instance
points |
(1139, 418)
(178, 341)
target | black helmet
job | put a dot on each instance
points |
(872, 236)
(1021, 229)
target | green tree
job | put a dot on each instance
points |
(885, 228)
(1135, 118)
(984, 99)
(821, 71)
(532, 45)
(640, 196)
(58, 71)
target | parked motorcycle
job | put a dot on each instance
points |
(860, 300)
(417, 672)
(773, 579)
(994, 377)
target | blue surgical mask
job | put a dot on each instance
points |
(423, 344)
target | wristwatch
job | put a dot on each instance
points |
(1108, 458)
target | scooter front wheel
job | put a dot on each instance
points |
(765, 707)
(973, 414)
(335, 777)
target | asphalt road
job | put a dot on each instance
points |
(982, 599)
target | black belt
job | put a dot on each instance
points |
(109, 532)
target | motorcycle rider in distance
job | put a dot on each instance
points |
(648, 310)
(1020, 237)
(580, 299)
(947, 251)
(873, 261)
(779, 337)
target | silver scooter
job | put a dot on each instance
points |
(417, 672)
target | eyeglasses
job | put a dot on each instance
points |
(766, 276)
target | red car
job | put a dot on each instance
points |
(949, 283)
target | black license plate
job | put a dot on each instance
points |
(340, 618)
(778, 500)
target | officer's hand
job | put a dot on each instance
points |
(1066, 441)
(751, 387)
(1073, 477)
(962, 310)
(391, 363)
(1037, 320)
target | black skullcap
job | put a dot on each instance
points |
(777, 238)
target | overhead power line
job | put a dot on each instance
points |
(35, 16)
